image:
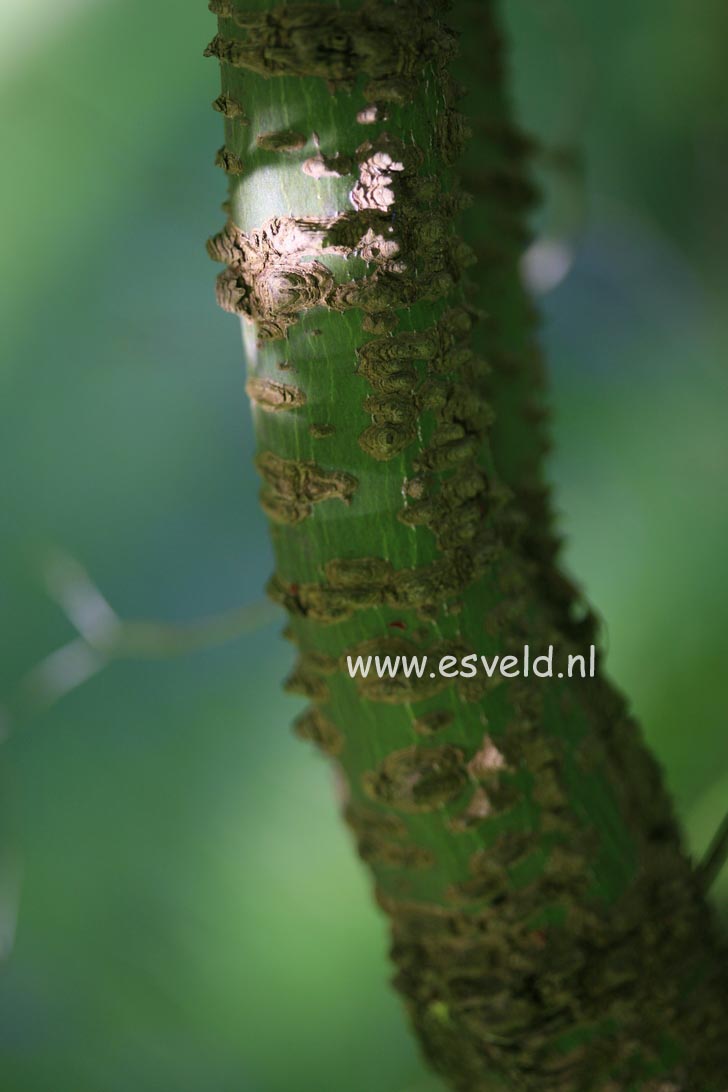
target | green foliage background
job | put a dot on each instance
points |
(191, 915)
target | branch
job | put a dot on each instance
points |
(548, 930)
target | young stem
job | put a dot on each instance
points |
(548, 931)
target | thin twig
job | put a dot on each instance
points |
(715, 857)
(103, 637)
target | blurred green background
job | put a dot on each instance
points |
(179, 906)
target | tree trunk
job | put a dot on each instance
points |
(548, 931)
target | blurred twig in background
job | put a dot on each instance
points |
(103, 637)
(10, 886)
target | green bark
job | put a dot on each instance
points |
(548, 930)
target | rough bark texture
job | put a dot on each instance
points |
(548, 931)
